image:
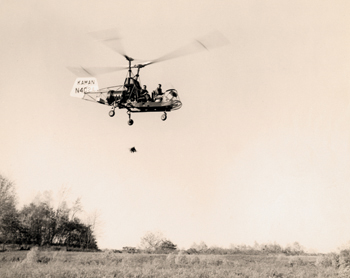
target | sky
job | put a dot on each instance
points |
(259, 151)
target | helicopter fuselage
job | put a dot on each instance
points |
(126, 97)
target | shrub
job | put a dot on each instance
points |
(107, 254)
(214, 260)
(344, 259)
(181, 258)
(32, 255)
(192, 251)
(194, 259)
(171, 258)
(334, 259)
(296, 261)
(44, 259)
(13, 259)
(325, 261)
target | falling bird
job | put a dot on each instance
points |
(133, 150)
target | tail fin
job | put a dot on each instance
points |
(83, 85)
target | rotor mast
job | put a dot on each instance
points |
(129, 70)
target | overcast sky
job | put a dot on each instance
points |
(260, 150)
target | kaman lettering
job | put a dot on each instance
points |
(88, 82)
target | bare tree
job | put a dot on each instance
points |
(7, 195)
(201, 247)
(76, 208)
(93, 221)
(9, 224)
(151, 241)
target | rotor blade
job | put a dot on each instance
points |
(79, 71)
(213, 40)
(112, 40)
(207, 42)
(114, 44)
(94, 71)
(110, 35)
(103, 70)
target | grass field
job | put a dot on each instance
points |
(47, 264)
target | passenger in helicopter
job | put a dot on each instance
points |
(144, 95)
(158, 93)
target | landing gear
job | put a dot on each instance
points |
(131, 121)
(112, 113)
(164, 116)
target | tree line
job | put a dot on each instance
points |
(39, 223)
(157, 243)
(256, 249)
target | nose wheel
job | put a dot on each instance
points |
(130, 121)
(164, 116)
(111, 113)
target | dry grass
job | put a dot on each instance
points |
(37, 263)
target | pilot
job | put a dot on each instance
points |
(144, 95)
(157, 94)
(110, 97)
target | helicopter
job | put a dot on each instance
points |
(130, 95)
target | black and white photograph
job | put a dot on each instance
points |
(173, 138)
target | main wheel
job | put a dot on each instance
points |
(111, 113)
(164, 117)
(130, 122)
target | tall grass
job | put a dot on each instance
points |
(36, 263)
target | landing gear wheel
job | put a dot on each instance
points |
(130, 122)
(164, 116)
(111, 113)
